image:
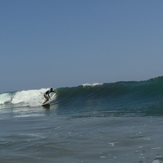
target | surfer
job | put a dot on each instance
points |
(46, 94)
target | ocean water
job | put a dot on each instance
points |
(119, 122)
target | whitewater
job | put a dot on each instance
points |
(101, 122)
(23, 98)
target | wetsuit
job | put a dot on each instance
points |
(46, 95)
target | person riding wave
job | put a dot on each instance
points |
(46, 94)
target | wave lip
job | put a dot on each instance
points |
(92, 85)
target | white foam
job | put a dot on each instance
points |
(4, 98)
(24, 98)
(92, 85)
(29, 97)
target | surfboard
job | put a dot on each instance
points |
(52, 98)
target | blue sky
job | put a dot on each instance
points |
(63, 43)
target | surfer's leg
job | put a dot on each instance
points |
(46, 98)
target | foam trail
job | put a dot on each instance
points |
(29, 97)
(24, 98)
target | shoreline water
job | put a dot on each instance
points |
(50, 137)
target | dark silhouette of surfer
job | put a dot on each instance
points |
(46, 94)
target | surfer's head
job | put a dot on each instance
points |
(51, 89)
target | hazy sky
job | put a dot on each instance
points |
(62, 43)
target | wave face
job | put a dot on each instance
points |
(132, 97)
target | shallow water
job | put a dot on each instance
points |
(40, 135)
